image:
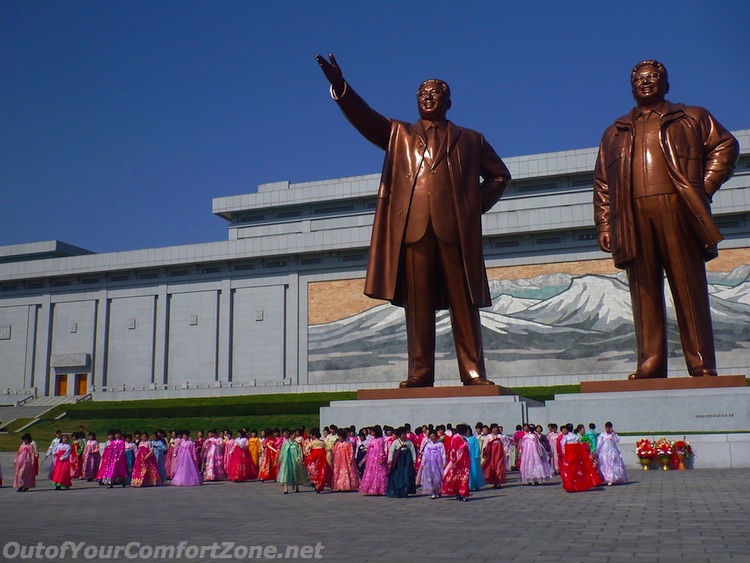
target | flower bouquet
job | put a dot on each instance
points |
(664, 452)
(646, 453)
(682, 451)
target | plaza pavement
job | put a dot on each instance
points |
(694, 515)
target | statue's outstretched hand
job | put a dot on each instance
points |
(332, 72)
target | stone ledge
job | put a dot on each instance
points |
(663, 384)
(434, 392)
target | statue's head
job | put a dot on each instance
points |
(650, 82)
(433, 99)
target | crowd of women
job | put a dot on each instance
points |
(374, 461)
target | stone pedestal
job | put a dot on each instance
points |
(506, 410)
(678, 410)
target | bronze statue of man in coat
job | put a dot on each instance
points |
(657, 171)
(426, 248)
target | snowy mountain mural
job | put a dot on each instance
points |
(556, 324)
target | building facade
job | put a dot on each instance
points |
(279, 305)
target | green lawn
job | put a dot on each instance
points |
(234, 412)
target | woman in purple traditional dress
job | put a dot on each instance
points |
(430, 474)
(185, 464)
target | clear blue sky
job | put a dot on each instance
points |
(120, 121)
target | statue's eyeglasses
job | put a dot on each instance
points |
(647, 76)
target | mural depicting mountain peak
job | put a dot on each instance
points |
(592, 302)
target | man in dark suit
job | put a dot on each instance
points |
(657, 171)
(426, 248)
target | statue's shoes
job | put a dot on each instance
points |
(415, 382)
(702, 371)
(478, 381)
(643, 375)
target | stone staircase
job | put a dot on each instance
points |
(35, 408)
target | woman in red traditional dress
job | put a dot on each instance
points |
(269, 469)
(317, 464)
(145, 468)
(457, 471)
(576, 470)
(494, 465)
(61, 474)
(241, 466)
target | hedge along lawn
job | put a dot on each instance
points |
(234, 412)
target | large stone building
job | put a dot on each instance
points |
(279, 305)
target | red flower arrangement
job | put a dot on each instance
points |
(681, 452)
(644, 449)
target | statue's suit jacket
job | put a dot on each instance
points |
(696, 148)
(469, 157)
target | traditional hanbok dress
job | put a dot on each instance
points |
(25, 472)
(317, 465)
(494, 466)
(76, 458)
(91, 460)
(517, 437)
(361, 455)
(291, 470)
(51, 453)
(160, 451)
(533, 467)
(456, 474)
(61, 473)
(576, 470)
(213, 460)
(145, 468)
(270, 468)
(131, 449)
(169, 457)
(611, 466)
(253, 446)
(402, 477)
(430, 474)
(345, 474)
(241, 466)
(375, 477)
(185, 465)
(591, 436)
(114, 467)
(553, 438)
(476, 476)
(199, 443)
(228, 449)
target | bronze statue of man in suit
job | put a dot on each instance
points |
(657, 171)
(426, 248)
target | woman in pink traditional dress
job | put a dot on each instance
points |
(533, 468)
(611, 466)
(494, 465)
(185, 464)
(199, 442)
(114, 467)
(61, 474)
(228, 447)
(576, 470)
(91, 458)
(24, 464)
(375, 478)
(171, 453)
(456, 475)
(241, 467)
(213, 458)
(430, 474)
(345, 474)
(145, 468)
(269, 469)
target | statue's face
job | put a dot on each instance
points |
(432, 101)
(649, 86)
